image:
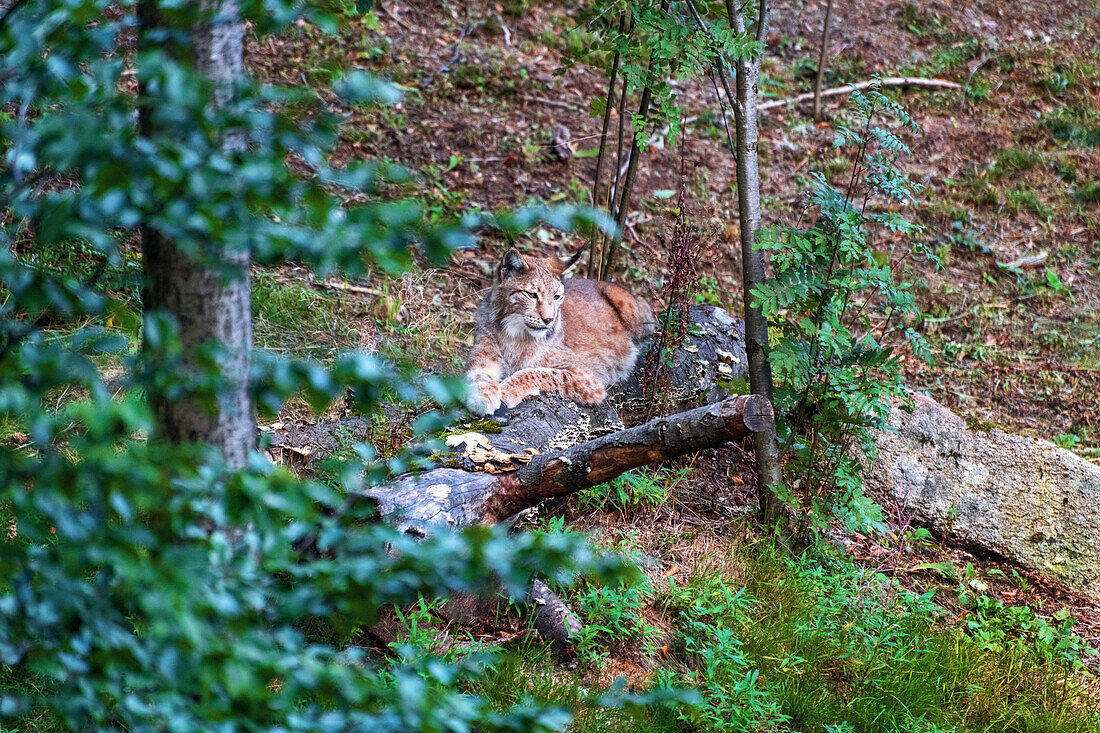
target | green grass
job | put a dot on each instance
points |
(33, 721)
(1089, 193)
(288, 317)
(1024, 199)
(530, 673)
(1014, 160)
(818, 644)
(838, 644)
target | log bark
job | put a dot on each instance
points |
(452, 498)
(552, 619)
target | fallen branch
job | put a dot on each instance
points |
(892, 81)
(448, 497)
(552, 103)
(552, 618)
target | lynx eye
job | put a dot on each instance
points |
(531, 295)
(557, 297)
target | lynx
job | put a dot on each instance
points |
(536, 332)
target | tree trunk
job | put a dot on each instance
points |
(821, 60)
(208, 306)
(753, 261)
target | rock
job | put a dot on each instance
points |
(561, 142)
(1022, 499)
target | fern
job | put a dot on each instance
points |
(837, 315)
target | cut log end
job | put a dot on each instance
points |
(757, 413)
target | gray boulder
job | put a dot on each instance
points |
(1023, 499)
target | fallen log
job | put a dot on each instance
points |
(447, 497)
(552, 618)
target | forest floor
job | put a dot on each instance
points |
(1011, 166)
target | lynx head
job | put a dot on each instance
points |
(529, 293)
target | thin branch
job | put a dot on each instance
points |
(762, 24)
(717, 63)
(613, 185)
(632, 164)
(608, 103)
(892, 81)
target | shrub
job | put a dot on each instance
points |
(837, 314)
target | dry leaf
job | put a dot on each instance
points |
(471, 440)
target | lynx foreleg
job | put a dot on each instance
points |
(483, 373)
(576, 384)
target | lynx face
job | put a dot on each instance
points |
(529, 296)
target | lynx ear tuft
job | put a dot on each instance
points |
(513, 263)
(566, 264)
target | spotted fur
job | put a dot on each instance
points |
(536, 333)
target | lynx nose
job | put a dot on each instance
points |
(547, 321)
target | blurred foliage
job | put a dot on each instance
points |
(144, 586)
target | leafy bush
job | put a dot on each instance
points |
(712, 617)
(612, 614)
(837, 313)
(144, 585)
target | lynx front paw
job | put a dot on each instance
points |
(513, 391)
(483, 398)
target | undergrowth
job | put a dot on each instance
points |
(771, 642)
(292, 317)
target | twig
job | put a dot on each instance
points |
(552, 103)
(889, 82)
(893, 81)
(348, 287)
(454, 57)
(507, 34)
